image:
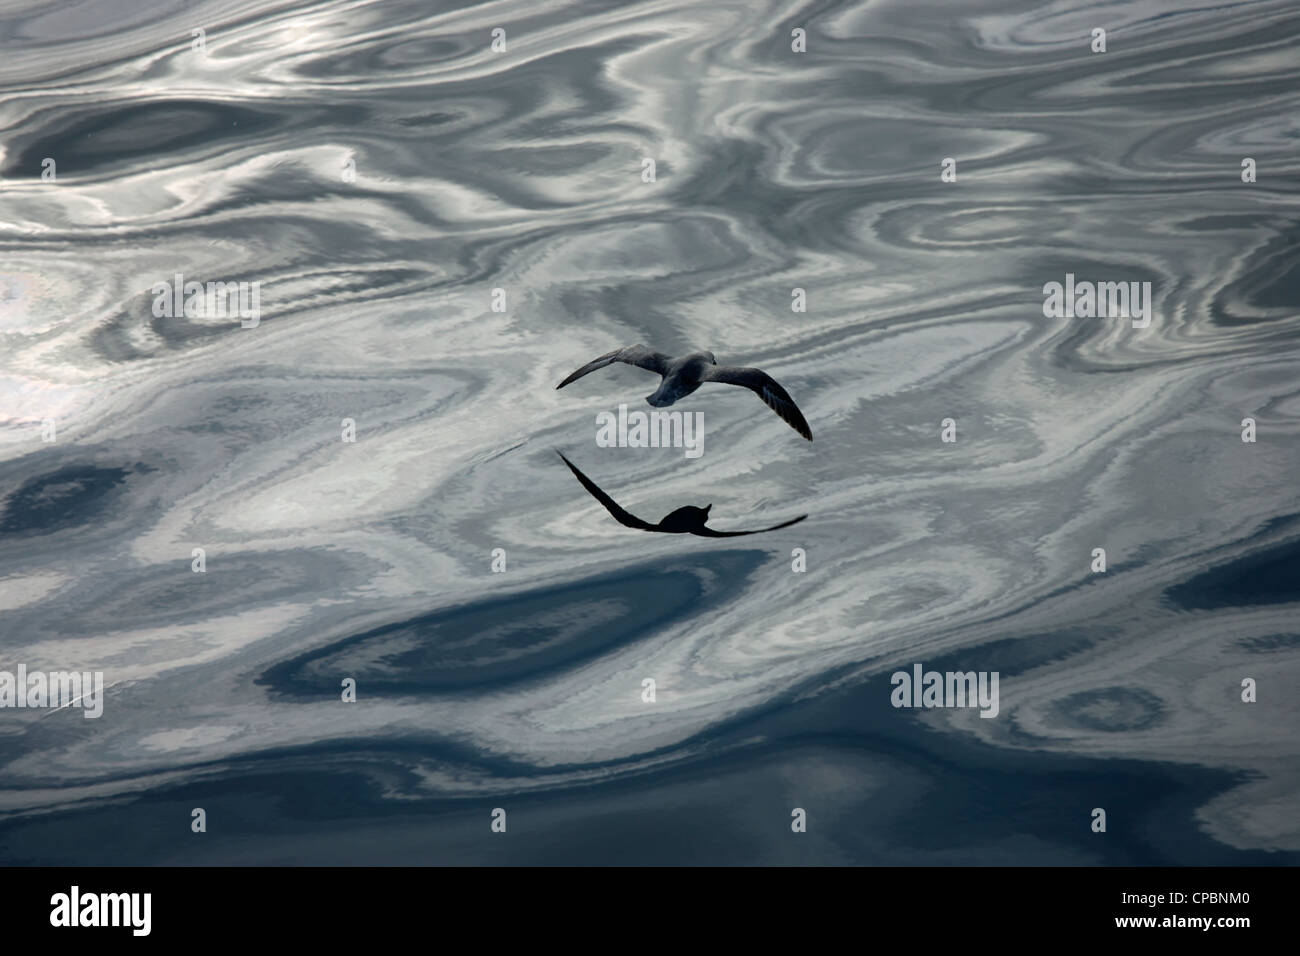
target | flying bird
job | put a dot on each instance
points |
(681, 376)
(686, 520)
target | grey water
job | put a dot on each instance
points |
(351, 478)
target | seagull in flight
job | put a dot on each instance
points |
(681, 376)
(686, 520)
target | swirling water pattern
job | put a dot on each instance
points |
(521, 170)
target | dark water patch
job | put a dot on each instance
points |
(87, 140)
(69, 496)
(1269, 290)
(1269, 642)
(499, 640)
(1268, 577)
(430, 119)
(1020, 654)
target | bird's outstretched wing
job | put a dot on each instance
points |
(637, 355)
(710, 533)
(766, 387)
(621, 516)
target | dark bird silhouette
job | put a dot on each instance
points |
(686, 520)
(681, 376)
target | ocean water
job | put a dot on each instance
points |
(437, 232)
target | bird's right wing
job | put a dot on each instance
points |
(765, 387)
(637, 355)
(621, 516)
(710, 533)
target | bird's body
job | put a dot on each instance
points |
(682, 376)
(685, 520)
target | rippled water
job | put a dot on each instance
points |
(522, 171)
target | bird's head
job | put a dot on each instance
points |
(709, 356)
